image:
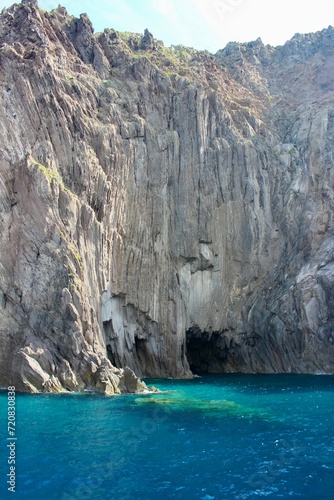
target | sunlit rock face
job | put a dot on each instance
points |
(164, 210)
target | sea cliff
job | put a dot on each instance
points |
(163, 211)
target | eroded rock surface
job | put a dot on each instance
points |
(164, 210)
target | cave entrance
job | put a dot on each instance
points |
(141, 351)
(208, 352)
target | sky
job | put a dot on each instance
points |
(204, 24)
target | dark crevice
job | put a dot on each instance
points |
(209, 352)
(110, 355)
(110, 348)
(140, 346)
(143, 355)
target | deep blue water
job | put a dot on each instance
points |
(218, 437)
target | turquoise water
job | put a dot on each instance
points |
(217, 437)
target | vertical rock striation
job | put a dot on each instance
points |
(164, 210)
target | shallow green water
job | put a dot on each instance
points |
(217, 437)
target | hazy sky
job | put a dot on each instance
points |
(204, 24)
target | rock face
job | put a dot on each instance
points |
(163, 210)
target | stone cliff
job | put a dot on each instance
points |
(161, 209)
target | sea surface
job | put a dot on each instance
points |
(216, 437)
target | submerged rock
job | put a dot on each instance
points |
(165, 210)
(182, 403)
